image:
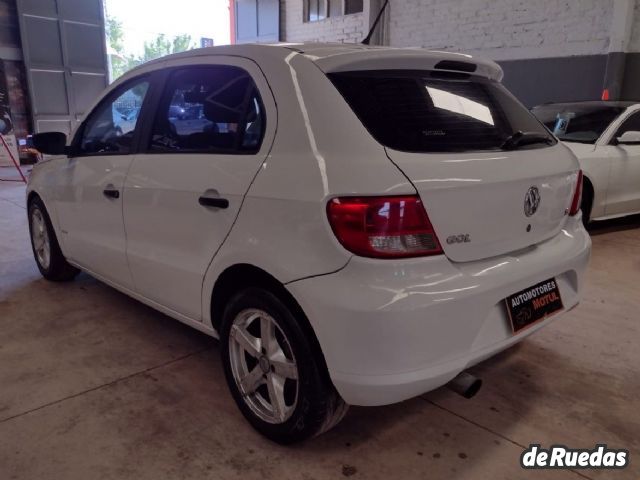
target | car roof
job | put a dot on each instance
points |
(333, 57)
(591, 103)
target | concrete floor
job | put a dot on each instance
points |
(95, 385)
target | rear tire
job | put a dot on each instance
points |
(267, 355)
(46, 250)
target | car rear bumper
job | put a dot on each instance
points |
(391, 330)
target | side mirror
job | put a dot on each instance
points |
(629, 137)
(50, 143)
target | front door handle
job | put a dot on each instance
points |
(216, 202)
(111, 193)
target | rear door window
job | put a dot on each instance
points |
(419, 111)
(209, 109)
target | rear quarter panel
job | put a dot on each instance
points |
(321, 150)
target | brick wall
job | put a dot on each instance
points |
(346, 28)
(504, 29)
(499, 29)
(550, 50)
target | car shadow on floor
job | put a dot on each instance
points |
(614, 225)
(439, 432)
(433, 433)
(93, 330)
(549, 396)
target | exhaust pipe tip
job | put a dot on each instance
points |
(465, 384)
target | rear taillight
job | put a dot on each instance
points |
(383, 227)
(577, 195)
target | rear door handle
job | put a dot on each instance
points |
(216, 202)
(111, 193)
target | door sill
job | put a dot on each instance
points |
(198, 325)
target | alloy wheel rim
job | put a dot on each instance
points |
(40, 238)
(263, 366)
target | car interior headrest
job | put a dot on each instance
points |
(226, 105)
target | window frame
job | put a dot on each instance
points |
(434, 75)
(344, 8)
(306, 11)
(162, 95)
(116, 92)
(618, 132)
(341, 8)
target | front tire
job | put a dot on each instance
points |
(46, 250)
(271, 370)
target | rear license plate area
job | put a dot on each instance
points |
(533, 304)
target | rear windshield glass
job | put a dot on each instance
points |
(573, 122)
(418, 111)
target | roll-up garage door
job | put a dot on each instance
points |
(257, 21)
(64, 49)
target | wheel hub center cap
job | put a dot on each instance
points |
(265, 366)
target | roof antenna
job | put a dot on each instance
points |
(367, 39)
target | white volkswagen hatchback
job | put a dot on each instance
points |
(605, 136)
(357, 225)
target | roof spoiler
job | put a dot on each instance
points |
(456, 66)
(408, 59)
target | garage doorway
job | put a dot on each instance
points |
(64, 52)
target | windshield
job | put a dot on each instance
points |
(424, 111)
(574, 122)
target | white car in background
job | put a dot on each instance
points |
(357, 225)
(605, 136)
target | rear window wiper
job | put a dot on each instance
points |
(520, 138)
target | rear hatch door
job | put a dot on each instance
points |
(481, 204)
(492, 178)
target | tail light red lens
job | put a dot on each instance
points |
(383, 227)
(577, 196)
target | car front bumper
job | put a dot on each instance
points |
(391, 330)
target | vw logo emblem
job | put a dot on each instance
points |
(531, 201)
